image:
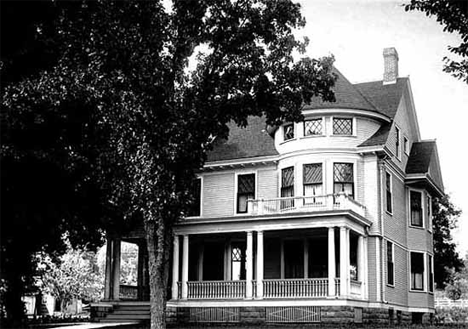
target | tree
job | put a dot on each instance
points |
(457, 284)
(446, 257)
(146, 119)
(453, 15)
(76, 276)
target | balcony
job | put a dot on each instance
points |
(329, 202)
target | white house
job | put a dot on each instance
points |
(325, 220)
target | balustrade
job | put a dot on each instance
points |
(280, 288)
(215, 289)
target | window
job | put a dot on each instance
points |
(416, 208)
(406, 145)
(390, 264)
(388, 186)
(312, 182)
(431, 273)
(245, 191)
(287, 187)
(417, 271)
(238, 262)
(313, 127)
(343, 179)
(195, 207)
(342, 126)
(288, 131)
(397, 142)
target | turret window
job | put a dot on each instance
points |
(312, 181)
(287, 187)
(313, 127)
(342, 126)
(288, 131)
(343, 179)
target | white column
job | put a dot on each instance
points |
(116, 270)
(260, 264)
(348, 260)
(306, 258)
(175, 268)
(185, 263)
(249, 265)
(331, 262)
(365, 286)
(344, 259)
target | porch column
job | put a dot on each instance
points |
(201, 255)
(306, 258)
(116, 270)
(361, 263)
(175, 268)
(249, 265)
(185, 264)
(260, 264)
(344, 260)
(331, 262)
(108, 279)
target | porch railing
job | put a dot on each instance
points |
(304, 204)
(280, 288)
(128, 292)
(215, 289)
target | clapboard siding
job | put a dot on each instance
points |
(396, 223)
(398, 293)
(267, 183)
(371, 265)
(218, 195)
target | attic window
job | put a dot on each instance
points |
(342, 126)
(288, 132)
(313, 127)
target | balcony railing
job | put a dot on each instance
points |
(304, 204)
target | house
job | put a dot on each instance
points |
(325, 220)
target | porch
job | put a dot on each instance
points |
(318, 263)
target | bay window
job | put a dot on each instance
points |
(287, 187)
(417, 271)
(416, 208)
(343, 179)
(313, 182)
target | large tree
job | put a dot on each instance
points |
(453, 15)
(143, 118)
(446, 257)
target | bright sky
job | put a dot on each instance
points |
(356, 31)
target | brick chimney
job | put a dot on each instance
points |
(390, 65)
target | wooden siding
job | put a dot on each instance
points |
(396, 224)
(267, 181)
(372, 282)
(218, 195)
(398, 294)
(371, 195)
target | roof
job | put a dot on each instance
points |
(251, 141)
(347, 96)
(420, 157)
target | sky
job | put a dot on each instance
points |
(357, 31)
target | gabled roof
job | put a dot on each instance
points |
(347, 96)
(423, 160)
(251, 141)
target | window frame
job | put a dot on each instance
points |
(353, 184)
(423, 274)
(428, 212)
(308, 184)
(285, 127)
(397, 142)
(353, 124)
(389, 192)
(392, 262)
(405, 145)
(322, 122)
(430, 273)
(239, 194)
(410, 212)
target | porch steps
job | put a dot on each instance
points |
(128, 312)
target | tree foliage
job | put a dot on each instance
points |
(457, 283)
(75, 276)
(125, 120)
(446, 257)
(453, 15)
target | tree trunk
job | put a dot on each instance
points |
(158, 237)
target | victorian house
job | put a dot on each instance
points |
(325, 220)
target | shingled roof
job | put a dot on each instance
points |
(423, 159)
(253, 141)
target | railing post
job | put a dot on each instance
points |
(344, 260)
(249, 265)
(185, 261)
(260, 265)
(175, 268)
(331, 262)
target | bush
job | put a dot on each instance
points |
(447, 315)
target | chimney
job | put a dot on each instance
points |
(390, 65)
